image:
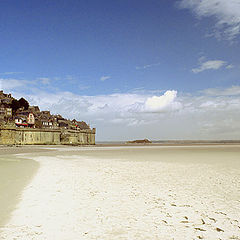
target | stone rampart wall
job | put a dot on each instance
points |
(78, 137)
(30, 136)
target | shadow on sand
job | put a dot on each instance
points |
(15, 174)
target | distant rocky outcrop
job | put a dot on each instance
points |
(141, 141)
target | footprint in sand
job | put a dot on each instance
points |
(200, 229)
(213, 219)
(221, 213)
(184, 221)
(219, 229)
(168, 215)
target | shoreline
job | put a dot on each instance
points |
(12, 149)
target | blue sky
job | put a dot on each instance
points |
(127, 64)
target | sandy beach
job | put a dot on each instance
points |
(121, 192)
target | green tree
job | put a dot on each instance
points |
(23, 103)
(15, 105)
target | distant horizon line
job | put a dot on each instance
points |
(177, 140)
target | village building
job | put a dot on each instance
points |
(48, 123)
(80, 125)
(5, 109)
(31, 120)
(8, 112)
(34, 109)
(63, 124)
(39, 127)
(21, 121)
(2, 113)
(5, 113)
(5, 98)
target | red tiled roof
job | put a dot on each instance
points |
(22, 124)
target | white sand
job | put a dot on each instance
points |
(131, 193)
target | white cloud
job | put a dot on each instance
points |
(104, 78)
(209, 114)
(23, 85)
(70, 78)
(8, 84)
(230, 66)
(44, 80)
(109, 107)
(166, 102)
(209, 65)
(225, 12)
(148, 66)
(83, 87)
(10, 73)
(231, 91)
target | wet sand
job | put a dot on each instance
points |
(144, 192)
(15, 174)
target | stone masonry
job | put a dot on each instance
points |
(29, 136)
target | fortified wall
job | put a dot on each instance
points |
(30, 136)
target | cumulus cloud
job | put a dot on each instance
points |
(113, 107)
(155, 104)
(166, 102)
(104, 78)
(209, 114)
(209, 65)
(225, 12)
